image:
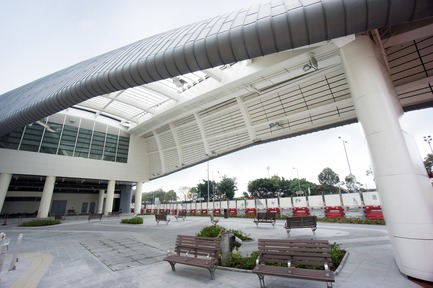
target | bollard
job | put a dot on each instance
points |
(4, 245)
(14, 260)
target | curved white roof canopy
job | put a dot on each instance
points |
(219, 85)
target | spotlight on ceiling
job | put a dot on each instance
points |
(179, 82)
(312, 63)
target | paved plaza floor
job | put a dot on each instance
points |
(106, 253)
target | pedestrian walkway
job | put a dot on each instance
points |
(106, 253)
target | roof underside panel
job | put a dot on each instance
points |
(245, 34)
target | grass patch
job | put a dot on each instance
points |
(37, 223)
(134, 220)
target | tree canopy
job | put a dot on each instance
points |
(428, 163)
(328, 177)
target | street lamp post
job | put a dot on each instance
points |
(207, 184)
(345, 151)
(428, 139)
(299, 183)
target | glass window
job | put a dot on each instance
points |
(67, 142)
(110, 147)
(83, 143)
(11, 140)
(122, 149)
(97, 147)
(32, 138)
(51, 139)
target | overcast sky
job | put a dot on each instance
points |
(41, 37)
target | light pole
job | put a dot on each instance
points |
(299, 182)
(269, 175)
(345, 151)
(428, 139)
(208, 184)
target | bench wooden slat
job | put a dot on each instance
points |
(301, 222)
(180, 214)
(265, 217)
(297, 252)
(298, 273)
(161, 217)
(95, 216)
(196, 251)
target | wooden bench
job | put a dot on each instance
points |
(265, 217)
(291, 255)
(301, 222)
(196, 251)
(71, 212)
(162, 217)
(115, 213)
(60, 217)
(95, 216)
(180, 214)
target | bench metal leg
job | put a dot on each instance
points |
(172, 266)
(314, 230)
(288, 232)
(329, 284)
(212, 271)
(262, 280)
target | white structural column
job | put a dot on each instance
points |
(5, 180)
(47, 195)
(100, 201)
(138, 197)
(110, 197)
(404, 189)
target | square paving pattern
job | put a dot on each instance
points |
(121, 253)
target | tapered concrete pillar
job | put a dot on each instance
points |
(138, 197)
(5, 180)
(404, 189)
(110, 197)
(100, 201)
(47, 195)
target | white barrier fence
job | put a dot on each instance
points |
(356, 205)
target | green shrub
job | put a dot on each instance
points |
(351, 221)
(36, 223)
(134, 220)
(211, 231)
(337, 254)
(248, 262)
(243, 262)
(216, 231)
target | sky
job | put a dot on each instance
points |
(41, 37)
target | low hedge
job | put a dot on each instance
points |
(134, 220)
(36, 223)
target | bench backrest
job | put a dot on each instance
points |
(161, 217)
(266, 215)
(301, 221)
(300, 252)
(198, 246)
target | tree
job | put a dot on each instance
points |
(428, 164)
(263, 188)
(161, 195)
(202, 189)
(351, 183)
(226, 188)
(328, 177)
